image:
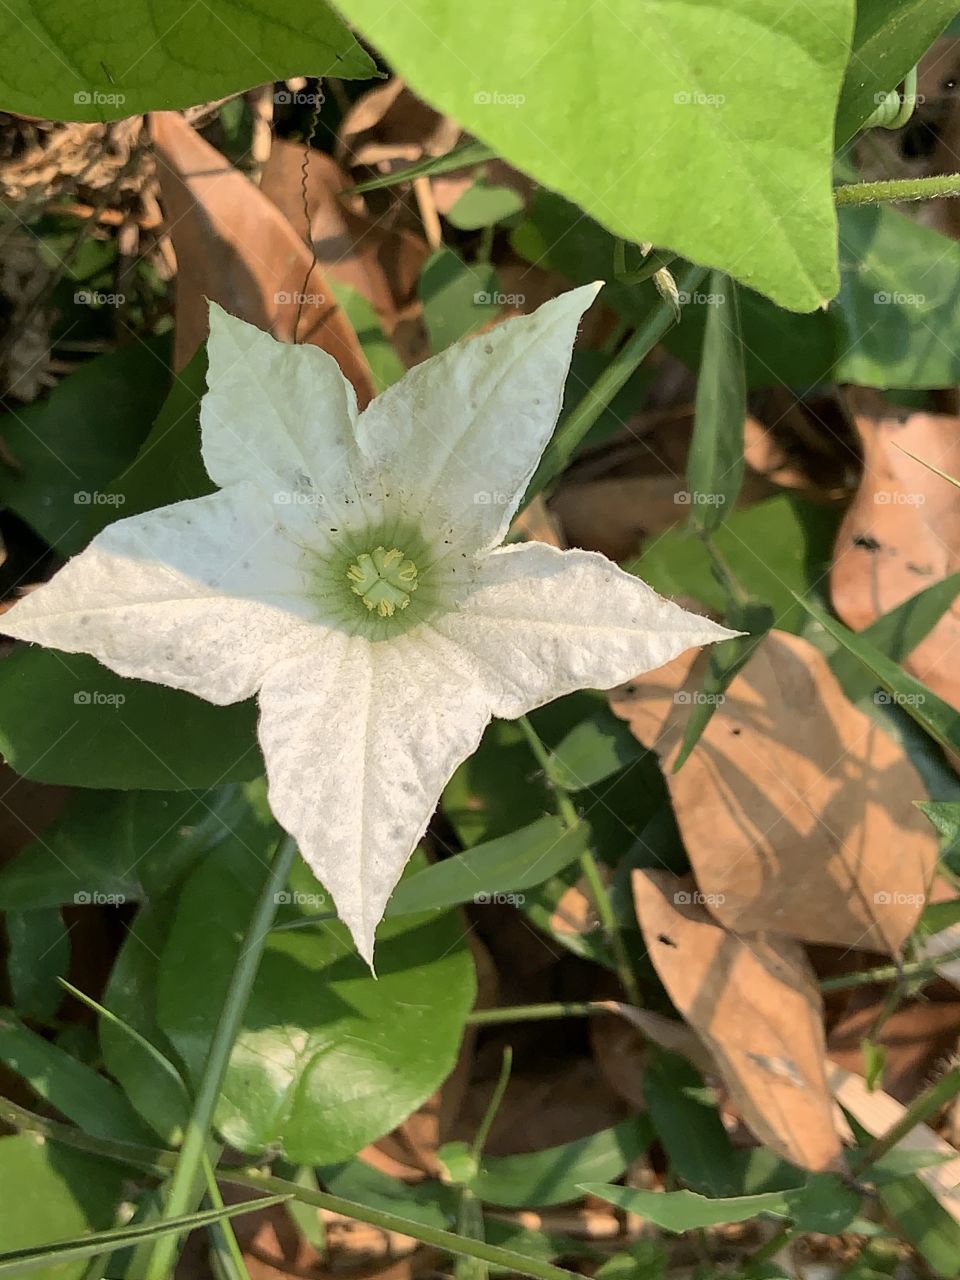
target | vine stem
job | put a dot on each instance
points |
(861, 193)
(588, 865)
(919, 1111)
(189, 1167)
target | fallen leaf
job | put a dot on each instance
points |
(916, 1038)
(216, 216)
(795, 808)
(754, 1002)
(382, 264)
(901, 533)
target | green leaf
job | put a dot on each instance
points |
(524, 858)
(922, 1220)
(38, 953)
(17, 1261)
(899, 292)
(896, 634)
(69, 447)
(934, 715)
(76, 1090)
(773, 548)
(131, 996)
(594, 750)
(708, 86)
(321, 1036)
(715, 463)
(889, 38)
(484, 205)
(824, 1204)
(385, 365)
(540, 1178)
(119, 846)
(457, 299)
(49, 1192)
(461, 157)
(680, 1211)
(160, 56)
(65, 718)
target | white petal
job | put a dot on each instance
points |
(163, 596)
(276, 414)
(359, 739)
(461, 434)
(541, 623)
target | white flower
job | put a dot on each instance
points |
(349, 569)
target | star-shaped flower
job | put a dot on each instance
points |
(349, 571)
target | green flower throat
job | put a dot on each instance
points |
(384, 580)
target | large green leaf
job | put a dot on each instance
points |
(888, 40)
(102, 59)
(119, 846)
(706, 128)
(65, 718)
(38, 954)
(773, 548)
(49, 1192)
(329, 1057)
(899, 300)
(68, 447)
(552, 1176)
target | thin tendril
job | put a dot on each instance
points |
(304, 169)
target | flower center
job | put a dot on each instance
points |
(384, 580)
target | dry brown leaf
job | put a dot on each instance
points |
(796, 809)
(234, 246)
(901, 533)
(381, 263)
(916, 1038)
(754, 1002)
